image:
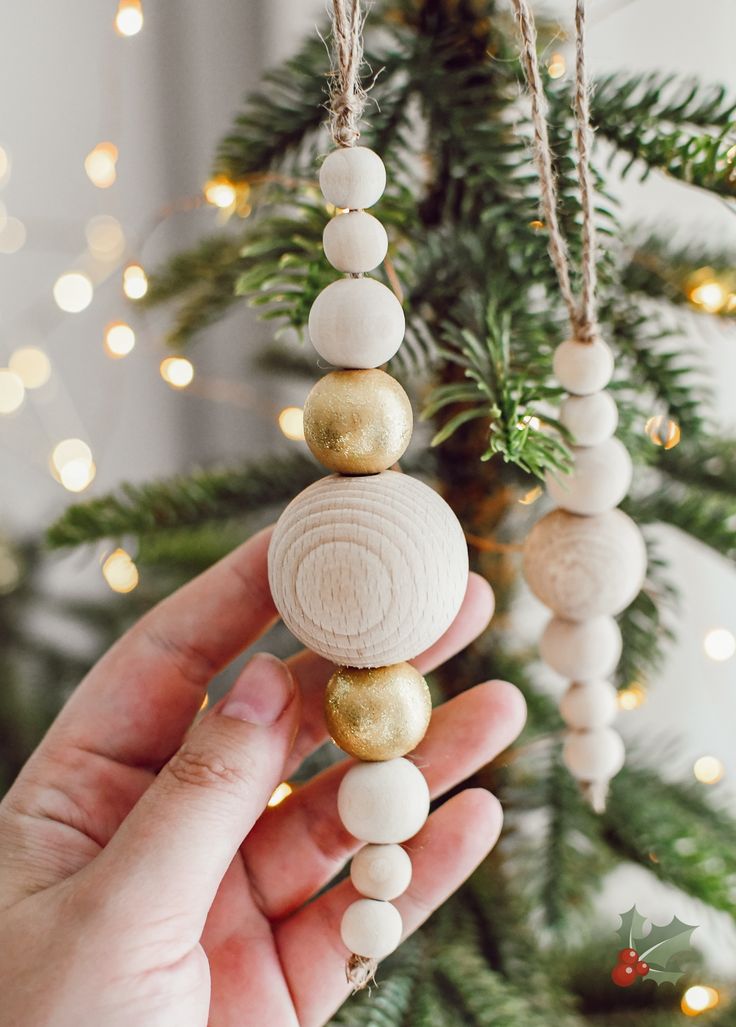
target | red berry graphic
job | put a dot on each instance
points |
(642, 968)
(628, 956)
(623, 975)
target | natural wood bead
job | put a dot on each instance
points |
(599, 480)
(355, 242)
(583, 367)
(583, 567)
(356, 322)
(383, 802)
(590, 419)
(589, 704)
(581, 650)
(368, 571)
(596, 755)
(357, 422)
(381, 871)
(371, 929)
(352, 177)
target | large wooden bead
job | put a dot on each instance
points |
(356, 322)
(596, 755)
(357, 422)
(583, 367)
(352, 177)
(355, 242)
(368, 571)
(599, 480)
(581, 650)
(383, 802)
(590, 419)
(371, 929)
(377, 714)
(588, 705)
(381, 871)
(583, 567)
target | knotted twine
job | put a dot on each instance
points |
(347, 96)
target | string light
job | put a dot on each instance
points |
(31, 365)
(120, 572)
(632, 697)
(708, 770)
(220, 192)
(12, 391)
(291, 423)
(536, 225)
(177, 372)
(719, 644)
(12, 236)
(529, 421)
(663, 431)
(100, 165)
(73, 292)
(698, 999)
(556, 65)
(119, 339)
(129, 18)
(105, 237)
(531, 496)
(72, 464)
(280, 792)
(704, 290)
(135, 282)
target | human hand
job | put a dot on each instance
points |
(143, 882)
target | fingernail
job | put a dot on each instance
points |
(262, 692)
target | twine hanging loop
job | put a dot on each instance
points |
(347, 96)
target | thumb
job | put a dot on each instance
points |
(173, 849)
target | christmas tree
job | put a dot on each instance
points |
(520, 945)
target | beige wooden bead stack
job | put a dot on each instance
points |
(368, 567)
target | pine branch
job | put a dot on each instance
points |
(708, 518)
(387, 1003)
(706, 463)
(646, 636)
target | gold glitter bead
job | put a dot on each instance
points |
(377, 713)
(357, 422)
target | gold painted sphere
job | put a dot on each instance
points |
(377, 713)
(357, 422)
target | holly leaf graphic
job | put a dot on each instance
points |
(664, 942)
(632, 925)
(663, 976)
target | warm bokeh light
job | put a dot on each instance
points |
(12, 391)
(699, 999)
(220, 192)
(710, 295)
(663, 431)
(556, 65)
(529, 421)
(719, 644)
(77, 475)
(177, 372)
(73, 292)
(100, 165)
(31, 365)
(708, 770)
(291, 423)
(632, 697)
(12, 236)
(120, 572)
(4, 165)
(105, 237)
(280, 793)
(531, 496)
(129, 18)
(72, 464)
(119, 339)
(68, 450)
(135, 282)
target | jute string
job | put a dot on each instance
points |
(582, 312)
(347, 96)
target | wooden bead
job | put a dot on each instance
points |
(381, 871)
(357, 422)
(583, 567)
(581, 650)
(383, 802)
(582, 367)
(368, 571)
(377, 714)
(352, 177)
(371, 929)
(356, 322)
(596, 755)
(588, 705)
(590, 419)
(599, 480)
(355, 242)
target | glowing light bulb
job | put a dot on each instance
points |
(531, 496)
(135, 282)
(632, 697)
(100, 165)
(105, 237)
(129, 18)
(280, 793)
(31, 365)
(556, 65)
(698, 999)
(73, 292)
(663, 431)
(119, 339)
(177, 372)
(12, 391)
(72, 464)
(220, 192)
(710, 295)
(120, 572)
(719, 644)
(291, 423)
(708, 770)
(12, 235)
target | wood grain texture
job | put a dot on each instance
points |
(600, 478)
(352, 177)
(356, 322)
(368, 571)
(581, 650)
(355, 242)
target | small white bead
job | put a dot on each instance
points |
(355, 242)
(352, 177)
(383, 802)
(600, 479)
(381, 871)
(594, 755)
(590, 419)
(371, 929)
(356, 322)
(581, 650)
(588, 705)
(583, 367)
